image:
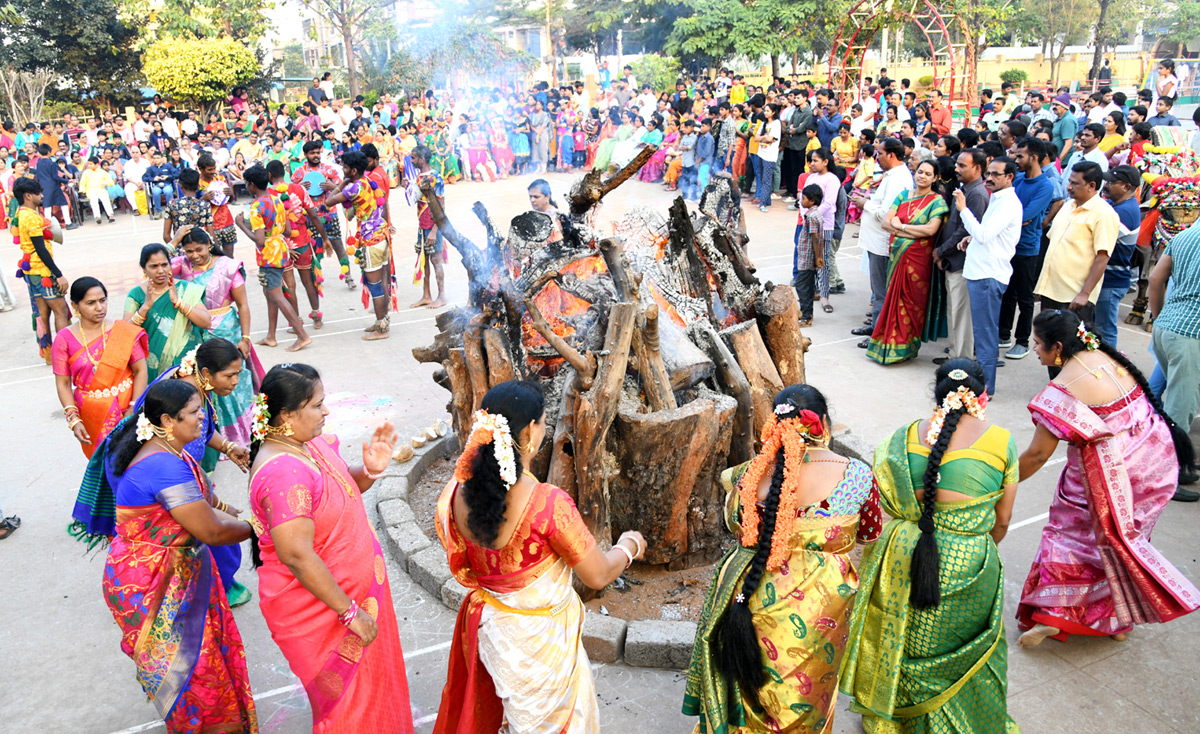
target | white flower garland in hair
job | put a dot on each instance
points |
(497, 426)
(187, 365)
(963, 397)
(1090, 341)
(145, 430)
(261, 418)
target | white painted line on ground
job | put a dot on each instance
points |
(1044, 515)
(297, 686)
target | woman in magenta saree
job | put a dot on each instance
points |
(323, 586)
(160, 581)
(913, 311)
(1095, 572)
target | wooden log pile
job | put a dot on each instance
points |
(658, 349)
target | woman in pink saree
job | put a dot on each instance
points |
(1095, 572)
(323, 586)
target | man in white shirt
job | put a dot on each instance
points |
(896, 180)
(326, 116)
(990, 251)
(190, 126)
(327, 85)
(345, 116)
(646, 103)
(170, 125)
(142, 127)
(1087, 149)
(133, 170)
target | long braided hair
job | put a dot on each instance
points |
(1062, 327)
(737, 640)
(925, 591)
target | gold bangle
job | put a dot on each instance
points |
(71, 426)
(137, 319)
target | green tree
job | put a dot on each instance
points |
(242, 20)
(720, 29)
(199, 71)
(96, 57)
(1062, 23)
(660, 72)
(1182, 20)
(979, 21)
(294, 65)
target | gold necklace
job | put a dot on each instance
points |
(317, 461)
(178, 454)
(87, 350)
(526, 473)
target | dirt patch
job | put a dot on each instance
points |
(653, 592)
(423, 496)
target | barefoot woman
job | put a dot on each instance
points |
(1095, 572)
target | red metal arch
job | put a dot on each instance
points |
(867, 18)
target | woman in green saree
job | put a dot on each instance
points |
(624, 130)
(174, 324)
(774, 623)
(927, 651)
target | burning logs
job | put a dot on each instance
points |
(658, 350)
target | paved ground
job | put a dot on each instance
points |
(63, 669)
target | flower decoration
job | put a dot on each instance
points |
(488, 428)
(187, 365)
(962, 398)
(1090, 340)
(785, 409)
(145, 430)
(261, 418)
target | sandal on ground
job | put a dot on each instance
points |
(804, 323)
(827, 308)
(9, 525)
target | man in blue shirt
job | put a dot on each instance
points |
(604, 75)
(1164, 116)
(160, 182)
(706, 148)
(1035, 192)
(1123, 185)
(828, 118)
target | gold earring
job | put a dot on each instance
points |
(170, 436)
(205, 385)
(287, 429)
(1058, 361)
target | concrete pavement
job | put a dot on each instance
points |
(63, 669)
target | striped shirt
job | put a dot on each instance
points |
(1181, 312)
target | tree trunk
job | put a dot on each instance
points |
(1098, 54)
(779, 318)
(746, 343)
(348, 46)
(774, 67)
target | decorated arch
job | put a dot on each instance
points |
(868, 17)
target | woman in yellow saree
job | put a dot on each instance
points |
(774, 624)
(517, 663)
(927, 650)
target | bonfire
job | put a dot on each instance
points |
(657, 348)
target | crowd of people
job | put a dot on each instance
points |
(962, 231)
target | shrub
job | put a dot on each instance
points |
(1014, 76)
(660, 72)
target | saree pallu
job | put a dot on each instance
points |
(176, 624)
(102, 391)
(906, 319)
(943, 669)
(801, 614)
(351, 688)
(1095, 572)
(604, 152)
(219, 282)
(517, 662)
(170, 334)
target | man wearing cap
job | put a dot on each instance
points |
(1065, 126)
(1123, 185)
(1083, 234)
(1088, 148)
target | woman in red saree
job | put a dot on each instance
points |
(517, 662)
(160, 581)
(910, 312)
(1095, 572)
(323, 585)
(99, 366)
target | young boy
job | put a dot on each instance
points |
(429, 238)
(302, 214)
(359, 192)
(189, 208)
(46, 283)
(687, 154)
(809, 256)
(706, 148)
(215, 190)
(814, 142)
(268, 229)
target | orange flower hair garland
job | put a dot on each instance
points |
(794, 434)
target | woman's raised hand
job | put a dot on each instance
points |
(377, 452)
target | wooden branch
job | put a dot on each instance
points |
(612, 248)
(477, 367)
(591, 189)
(479, 268)
(723, 241)
(779, 319)
(594, 413)
(499, 357)
(585, 366)
(540, 272)
(562, 455)
(460, 394)
(746, 343)
(682, 239)
(735, 383)
(655, 380)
